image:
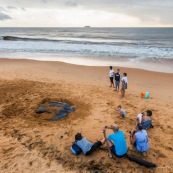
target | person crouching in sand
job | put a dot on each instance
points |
(121, 111)
(116, 142)
(124, 84)
(139, 140)
(87, 147)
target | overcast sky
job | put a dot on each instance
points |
(79, 13)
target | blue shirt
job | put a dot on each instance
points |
(84, 144)
(142, 141)
(119, 141)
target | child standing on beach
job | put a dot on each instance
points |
(111, 76)
(117, 80)
(124, 84)
(121, 111)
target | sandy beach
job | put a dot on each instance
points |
(31, 144)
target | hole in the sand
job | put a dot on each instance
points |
(55, 109)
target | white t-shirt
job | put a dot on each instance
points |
(139, 117)
(125, 80)
(111, 73)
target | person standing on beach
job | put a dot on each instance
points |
(111, 76)
(117, 80)
(124, 84)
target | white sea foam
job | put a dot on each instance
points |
(94, 46)
(139, 52)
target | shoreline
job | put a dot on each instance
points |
(45, 146)
(150, 79)
(81, 61)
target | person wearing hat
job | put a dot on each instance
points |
(116, 142)
(139, 140)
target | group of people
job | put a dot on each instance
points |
(116, 142)
(142, 118)
(118, 80)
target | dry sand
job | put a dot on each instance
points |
(30, 144)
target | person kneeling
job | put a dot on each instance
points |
(87, 147)
(145, 119)
(116, 142)
(139, 140)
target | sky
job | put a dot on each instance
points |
(79, 13)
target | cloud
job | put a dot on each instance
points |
(22, 8)
(4, 16)
(2, 9)
(71, 4)
(147, 13)
(44, 1)
(11, 7)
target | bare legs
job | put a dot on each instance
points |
(112, 84)
(117, 88)
(122, 92)
(103, 141)
(109, 145)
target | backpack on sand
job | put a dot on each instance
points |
(75, 149)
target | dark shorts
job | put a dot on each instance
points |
(93, 148)
(114, 152)
(135, 144)
(111, 79)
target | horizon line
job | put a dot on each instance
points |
(84, 27)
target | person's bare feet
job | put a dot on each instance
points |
(144, 154)
(131, 149)
(103, 141)
(109, 155)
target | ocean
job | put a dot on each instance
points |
(145, 48)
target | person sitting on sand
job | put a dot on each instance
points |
(139, 140)
(124, 84)
(116, 142)
(111, 76)
(117, 80)
(145, 119)
(87, 147)
(121, 111)
(139, 117)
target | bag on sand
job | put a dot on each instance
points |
(75, 149)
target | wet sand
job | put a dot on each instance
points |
(29, 143)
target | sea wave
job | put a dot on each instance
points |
(85, 42)
(80, 48)
(12, 38)
(112, 44)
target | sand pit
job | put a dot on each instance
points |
(20, 124)
(54, 109)
(31, 144)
